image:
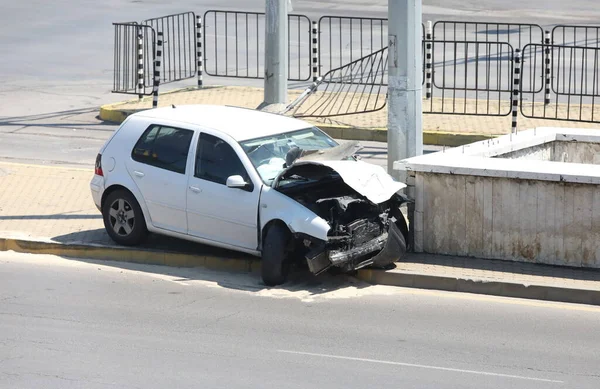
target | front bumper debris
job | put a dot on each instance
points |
(385, 250)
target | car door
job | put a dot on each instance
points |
(215, 211)
(158, 168)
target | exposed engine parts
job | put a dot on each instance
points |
(361, 231)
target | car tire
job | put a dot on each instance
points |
(123, 218)
(275, 265)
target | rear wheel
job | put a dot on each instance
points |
(276, 257)
(123, 218)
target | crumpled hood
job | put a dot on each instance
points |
(369, 180)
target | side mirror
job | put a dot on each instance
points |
(238, 183)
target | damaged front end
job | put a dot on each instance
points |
(361, 205)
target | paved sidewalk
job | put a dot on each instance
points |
(50, 210)
(448, 130)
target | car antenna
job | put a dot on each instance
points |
(173, 106)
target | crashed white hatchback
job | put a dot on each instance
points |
(250, 181)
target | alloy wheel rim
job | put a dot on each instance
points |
(121, 217)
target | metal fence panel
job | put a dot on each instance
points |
(179, 46)
(571, 73)
(475, 78)
(576, 73)
(344, 39)
(125, 74)
(515, 34)
(234, 45)
(570, 35)
(357, 87)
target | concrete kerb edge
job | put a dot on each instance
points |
(492, 288)
(372, 276)
(142, 256)
(113, 113)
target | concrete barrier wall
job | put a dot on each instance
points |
(530, 197)
(500, 218)
(569, 152)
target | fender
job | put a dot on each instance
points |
(127, 182)
(299, 219)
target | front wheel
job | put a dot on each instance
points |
(276, 258)
(123, 218)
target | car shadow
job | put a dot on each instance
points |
(300, 279)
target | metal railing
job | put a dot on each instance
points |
(471, 78)
(179, 46)
(515, 34)
(357, 87)
(344, 39)
(234, 45)
(133, 58)
(570, 35)
(471, 68)
(562, 81)
(575, 79)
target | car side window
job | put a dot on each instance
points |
(164, 147)
(216, 160)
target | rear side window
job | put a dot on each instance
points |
(216, 160)
(164, 147)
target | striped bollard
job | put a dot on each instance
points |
(547, 67)
(199, 49)
(428, 60)
(157, 68)
(516, 90)
(315, 50)
(140, 56)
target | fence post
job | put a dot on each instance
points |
(428, 60)
(199, 49)
(547, 67)
(516, 90)
(157, 68)
(315, 50)
(140, 66)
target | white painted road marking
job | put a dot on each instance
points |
(421, 366)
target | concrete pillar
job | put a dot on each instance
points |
(405, 128)
(276, 52)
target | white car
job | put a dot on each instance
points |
(250, 181)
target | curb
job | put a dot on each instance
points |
(144, 256)
(432, 138)
(249, 264)
(112, 113)
(492, 288)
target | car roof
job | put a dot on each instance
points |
(239, 123)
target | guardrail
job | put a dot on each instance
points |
(134, 49)
(576, 83)
(469, 68)
(344, 39)
(515, 34)
(357, 87)
(471, 78)
(179, 46)
(582, 36)
(234, 45)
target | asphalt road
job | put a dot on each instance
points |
(83, 324)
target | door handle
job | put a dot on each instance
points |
(195, 189)
(139, 174)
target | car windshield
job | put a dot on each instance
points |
(268, 154)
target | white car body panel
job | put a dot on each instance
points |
(277, 206)
(217, 212)
(164, 192)
(369, 180)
